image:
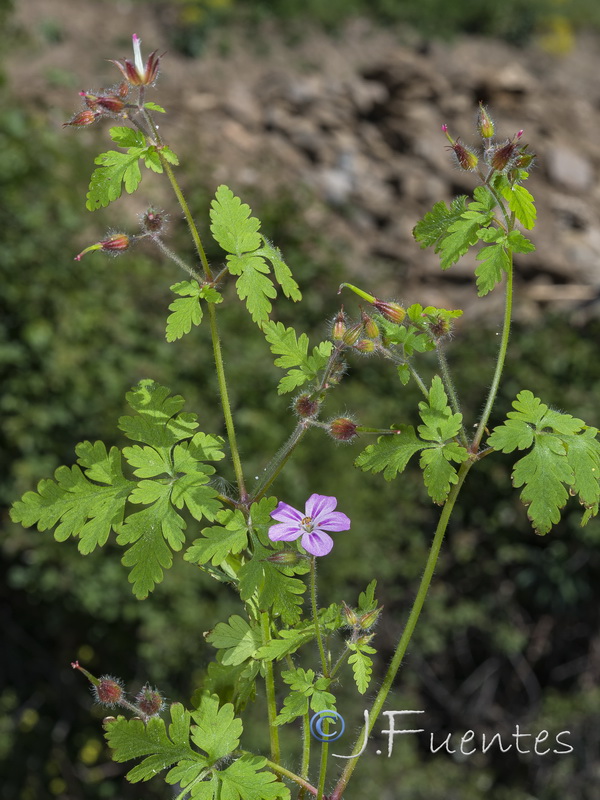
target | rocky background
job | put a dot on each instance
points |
(349, 126)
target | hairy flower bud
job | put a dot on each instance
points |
(86, 117)
(350, 615)
(365, 346)
(504, 157)
(371, 327)
(149, 701)
(343, 429)
(339, 326)
(153, 220)
(369, 618)
(392, 311)
(114, 244)
(485, 124)
(305, 406)
(111, 103)
(438, 326)
(353, 334)
(466, 157)
(108, 691)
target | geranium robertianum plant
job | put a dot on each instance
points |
(257, 545)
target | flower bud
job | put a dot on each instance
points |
(149, 701)
(114, 244)
(485, 124)
(111, 103)
(343, 429)
(108, 691)
(365, 346)
(353, 334)
(350, 615)
(369, 618)
(287, 558)
(305, 406)
(371, 327)
(392, 311)
(504, 157)
(466, 158)
(525, 159)
(339, 326)
(153, 220)
(87, 117)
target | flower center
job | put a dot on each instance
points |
(307, 524)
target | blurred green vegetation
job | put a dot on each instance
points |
(507, 628)
(517, 21)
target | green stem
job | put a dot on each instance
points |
(292, 776)
(174, 257)
(270, 689)
(305, 752)
(323, 768)
(278, 462)
(450, 390)
(408, 630)
(313, 600)
(491, 398)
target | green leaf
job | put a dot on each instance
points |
(520, 202)
(230, 537)
(217, 731)
(131, 738)
(434, 225)
(283, 273)
(564, 459)
(154, 107)
(245, 779)
(391, 453)
(127, 137)
(293, 355)
(440, 426)
(247, 254)
(290, 640)
(494, 261)
(463, 233)
(232, 226)
(233, 684)
(86, 504)
(115, 171)
(520, 243)
(158, 421)
(237, 639)
(187, 311)
(362, 664)
(169, 155)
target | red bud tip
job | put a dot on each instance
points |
(444, 128)
(153, 220)
(75, 664)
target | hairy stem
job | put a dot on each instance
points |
(491, 398)
(279, 461)
(408, 630)
(450, 390)
(306, 786)
(270, 689)
(313, 600)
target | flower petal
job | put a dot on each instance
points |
(286, 513)
(284, 532)
(317, 543)
(334, 521)
(318, 505)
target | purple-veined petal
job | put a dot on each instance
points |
(334, 521)
(319, 505)
(286, 513)
(284, 532)
(317, 543)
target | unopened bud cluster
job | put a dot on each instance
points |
(360, 623)
(500, 157)
(109, 691)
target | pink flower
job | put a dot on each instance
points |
(136, 73)
(319, 516)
